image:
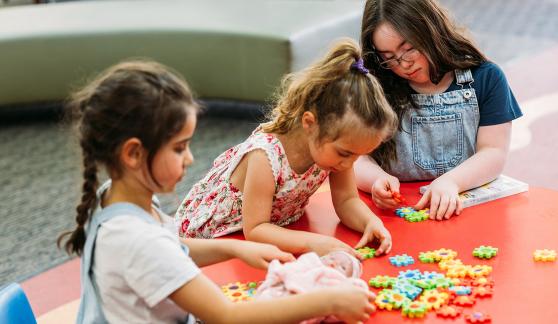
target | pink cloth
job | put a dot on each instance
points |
(309, 273)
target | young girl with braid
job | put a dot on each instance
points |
(326, 116)
(137, 120)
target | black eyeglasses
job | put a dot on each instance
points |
(409, 56)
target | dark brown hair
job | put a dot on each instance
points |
(329, 88)
(141, 99)
(426, 26)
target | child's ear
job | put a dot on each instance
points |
(132, 153)
(308, 121)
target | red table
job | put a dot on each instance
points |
(524, 290)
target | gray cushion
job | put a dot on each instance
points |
(235, 50)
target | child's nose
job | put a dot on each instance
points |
(406, 64)
(188, 158)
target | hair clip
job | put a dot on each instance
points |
(359, 66)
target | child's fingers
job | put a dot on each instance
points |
(459, 208)
(262, 264)
(451, 209)
(362, 242)
(423, 201)
(384, 247)
(386, 204)
(285, 257)
(442, 207)
(434, 203)
(393, 184)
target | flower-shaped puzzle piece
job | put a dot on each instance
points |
(483, 291)
(402, 211)
(427, 257)
(544, 255)
(381, 281)
(464, 300)
(401, 260)
(449, 311)
(366, 252)
(434, 299)
(414, 309)
(478, 317)
(461, 290)
(407, 288)
(444, 254)
(417, 216)
(485, 252)
(410, 274)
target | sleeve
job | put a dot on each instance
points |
(157, 266)
(497, 103)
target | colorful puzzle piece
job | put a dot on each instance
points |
(381, 281)
(398, 198)
(366, 252)
(544, 255)
(479, 271)
(449, 311)
(407, 288)
(240, 291)
(482, 291)
(410, 274)
(417, 216)
(402, 211)
(414, 309)
(464, 300)
(433, 299)
(446, 264)
(427, 257)
(401, 260)
(482, 281)
(485, 252)
(444, 254)
(478, 317)
(461, 290)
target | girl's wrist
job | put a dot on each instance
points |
(231, 247)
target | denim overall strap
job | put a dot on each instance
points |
(439, 134)
(90, 305)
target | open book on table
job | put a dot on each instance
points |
(502, 186)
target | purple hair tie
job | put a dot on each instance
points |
(359, 66)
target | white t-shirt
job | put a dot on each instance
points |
(137, 266)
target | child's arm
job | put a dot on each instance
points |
(205, 252)
(485, 165)
(258, 192)
(354, 213)
(204, 299)
(373, 179)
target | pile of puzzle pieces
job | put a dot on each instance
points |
(446, 293)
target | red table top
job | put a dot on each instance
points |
(524, 290)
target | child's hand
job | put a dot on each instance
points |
(323, 244)
(352, 305)
(382, 191)
(443, 196)
(258, 255)
(376, 231)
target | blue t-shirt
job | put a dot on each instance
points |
(497, 104)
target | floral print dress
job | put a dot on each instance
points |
(213, 207)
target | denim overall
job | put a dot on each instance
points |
(90, 310)
(440, 134)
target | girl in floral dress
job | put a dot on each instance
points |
(325, 117)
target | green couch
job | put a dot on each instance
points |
(231, 50)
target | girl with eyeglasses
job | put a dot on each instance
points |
(455, 107)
